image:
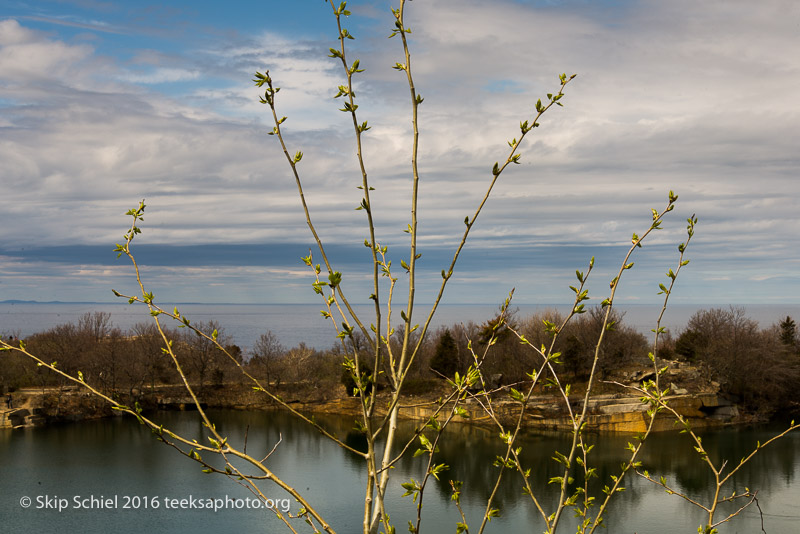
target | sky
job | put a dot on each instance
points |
(104, 103)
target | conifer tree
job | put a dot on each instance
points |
(445, 361)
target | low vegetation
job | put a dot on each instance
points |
(758, 367)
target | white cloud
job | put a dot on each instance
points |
(695, 97)
(160, 75)
(27, 57)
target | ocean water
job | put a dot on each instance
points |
(302, 323)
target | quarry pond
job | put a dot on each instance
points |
(88, 475)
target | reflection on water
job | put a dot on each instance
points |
(119, 457)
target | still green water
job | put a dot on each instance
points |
(112, 476)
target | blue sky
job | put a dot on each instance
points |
(104, 103)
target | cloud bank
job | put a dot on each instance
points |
(699, 98)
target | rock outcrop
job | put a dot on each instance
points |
(21, 417)
(694, 397)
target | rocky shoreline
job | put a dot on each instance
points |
(614, 412)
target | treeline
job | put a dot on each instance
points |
(761, 367)
(113, 360)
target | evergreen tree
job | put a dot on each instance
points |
(446, 361)
(788, 333)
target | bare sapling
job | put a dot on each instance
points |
(393, 347)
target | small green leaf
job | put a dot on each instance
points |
(516, 395)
